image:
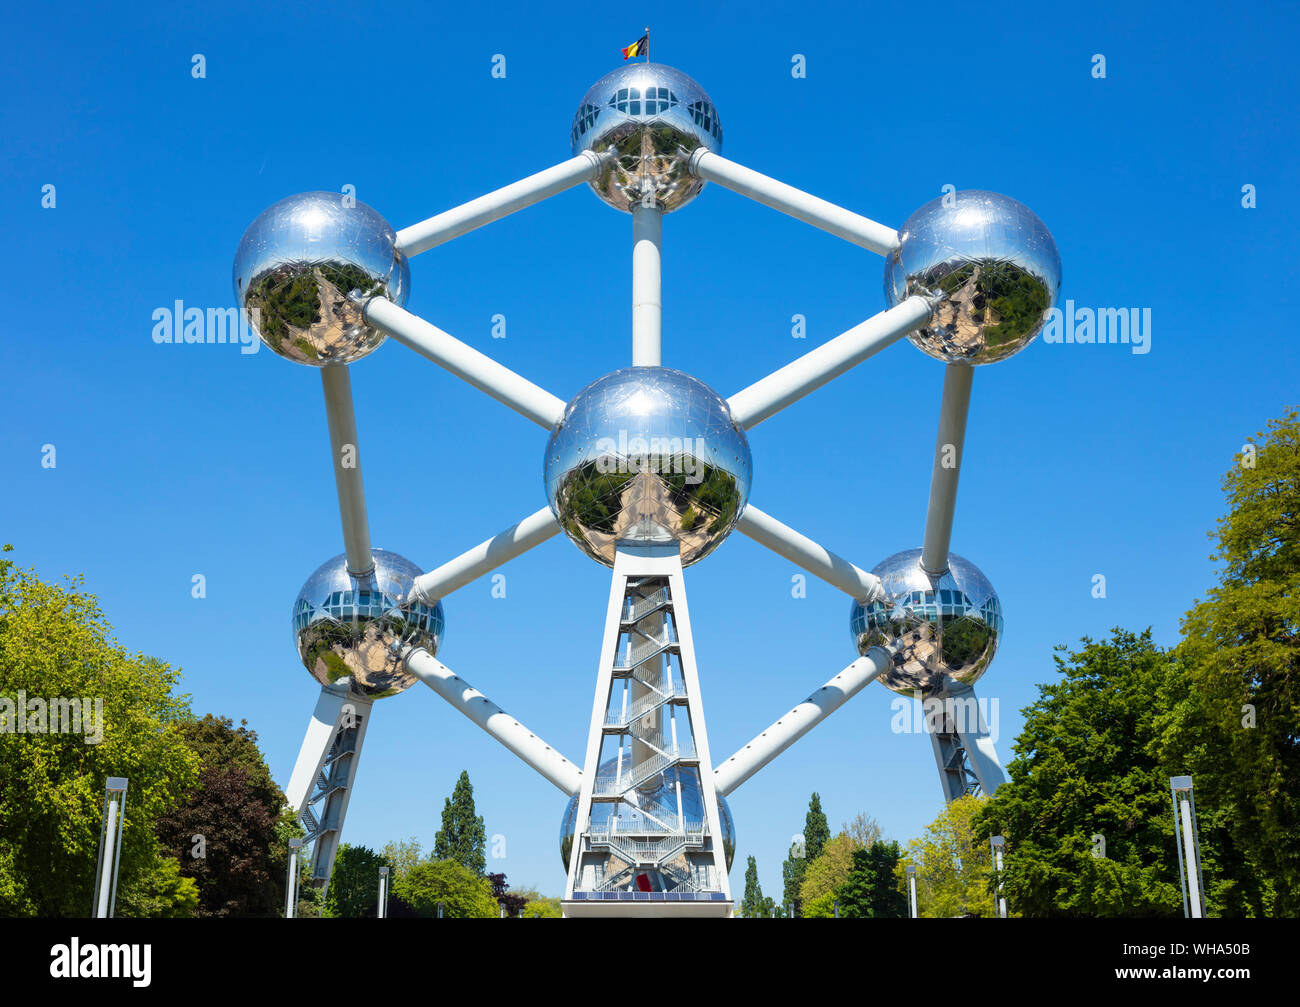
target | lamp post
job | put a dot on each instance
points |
(110, 848)
(382, 911)
(1188, 840)
(999, 844)
(911, 890)
(291, 887)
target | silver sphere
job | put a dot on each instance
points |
(350, 630)
(647, 454)
(996, 263)
(659, 799)
(942, 629)
(304, 270)
(649, 119)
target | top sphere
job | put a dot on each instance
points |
(647, 454)
(996, 266)
(941, 629)
(350, 630)
(304, 270)
(649, 119)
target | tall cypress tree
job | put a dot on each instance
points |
(816, 830)
(816, 834)
(462, 837)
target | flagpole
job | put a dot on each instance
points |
(647, 44)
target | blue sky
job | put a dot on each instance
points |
(177, 460)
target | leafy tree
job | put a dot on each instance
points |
(55, 643)
(463, 893)
(792, 872)
(510, 902)
(953, 862)
(402, 855)
(1237, 729)
(353, 891)
(462, 837)
(539, 906)
(827, 874)
(871, 890)
(224, 833)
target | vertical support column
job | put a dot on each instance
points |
(963, 747)
(647, 286)
(948, 449)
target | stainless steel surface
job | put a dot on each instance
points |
(941, 629)
(647, 454)
(649, 118)
(304, 269)
(350, 631)
(993, 262)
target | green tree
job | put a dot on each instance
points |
(462, 837)
(55, 644)
(953, 863)
(353, 891)
(540, 907)
(402, 855)
(463, 893)
(816, 832)
(224, 834)
(871, 890)
(755, 904)
(826, 875)
(1236, 729)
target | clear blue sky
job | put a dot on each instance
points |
(176, 460)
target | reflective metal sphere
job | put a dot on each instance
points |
(941, 628)
(350, 630)
(996, 263)
(647, 454)
(304, 269)
(649, 118)
(659, 800)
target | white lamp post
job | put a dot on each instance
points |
(999, 844)
(291, 889)
(911, 890)
(382, 911)
(1188, 840)
(110, 848)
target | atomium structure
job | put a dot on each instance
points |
(647, 470)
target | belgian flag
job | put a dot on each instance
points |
(637, 48)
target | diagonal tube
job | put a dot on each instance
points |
(767, 396)
(948, 449)
(836, 220)
(481, 371)
(337, 385)
(486, 556)
(494, 720)
(799, 721)
(804, 552)
(502, 202)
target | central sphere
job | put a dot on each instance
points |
(647, 454)
(350, 630)
(993, 263)
(942, 629)
(648, 118)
